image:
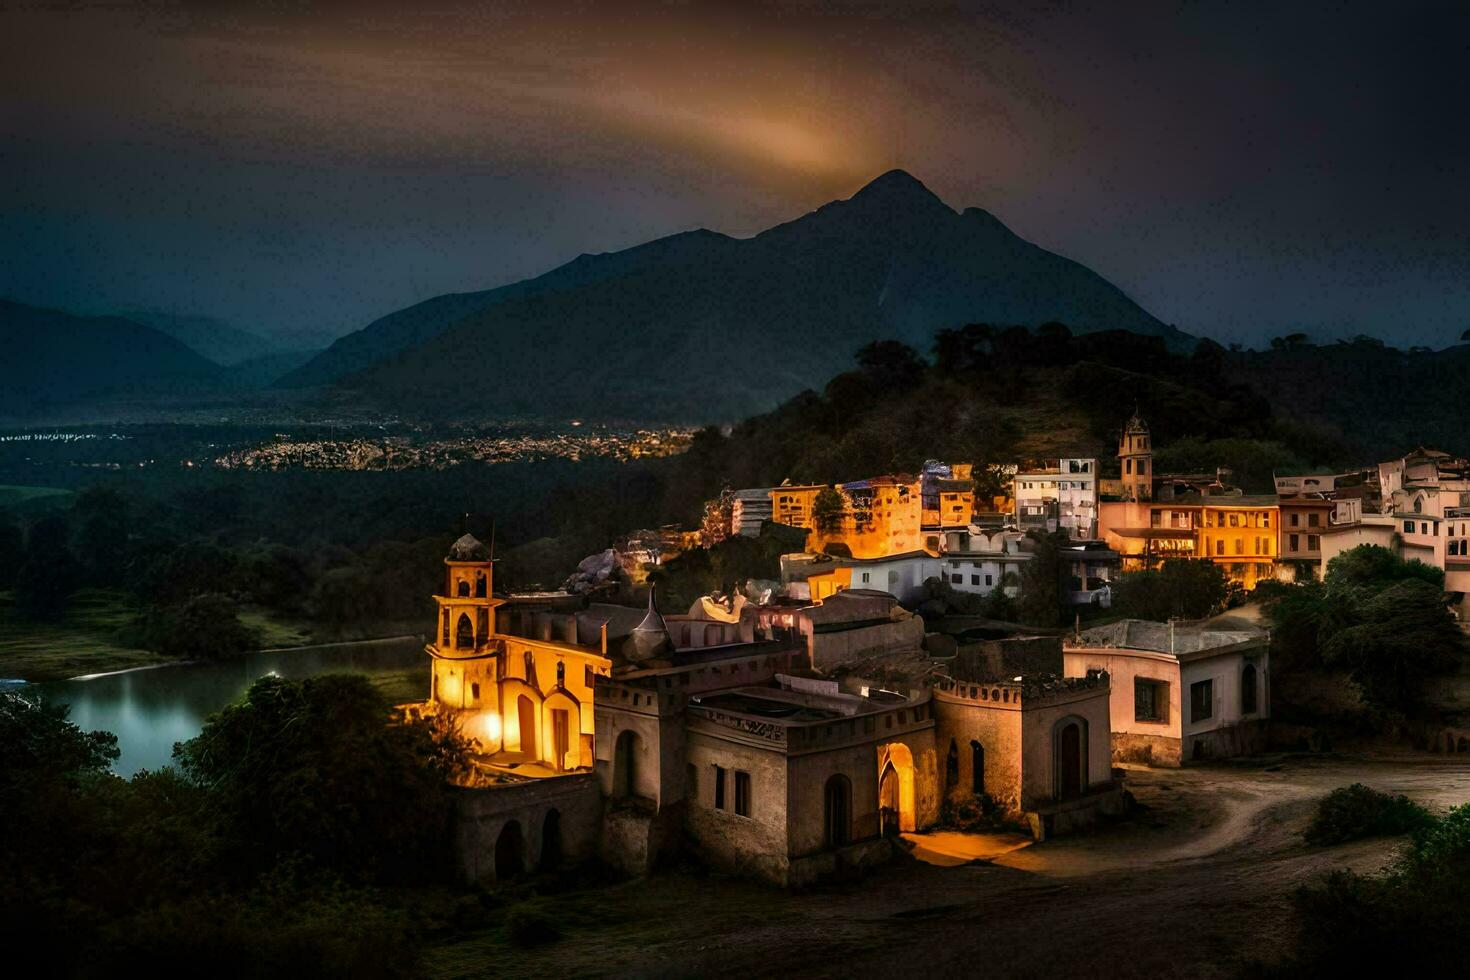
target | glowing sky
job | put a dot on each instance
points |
(1240, 171)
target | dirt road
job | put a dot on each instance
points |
(1193, 885)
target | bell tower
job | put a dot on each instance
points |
(467, 605)
(1135, 456)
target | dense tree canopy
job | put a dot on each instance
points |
(1181, 588)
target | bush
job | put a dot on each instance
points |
(1354, 812)
(530, 925)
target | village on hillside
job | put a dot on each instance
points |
(796, 729)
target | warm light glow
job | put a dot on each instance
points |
(483, 725)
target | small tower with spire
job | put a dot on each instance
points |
(1135, 456)
(467, 604)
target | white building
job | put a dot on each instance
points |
(1179, 693)
(1060, 497)
(974, 561)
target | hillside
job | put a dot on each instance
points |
(220, 342)
(701, 326)
(55, 359)
(1377, 400)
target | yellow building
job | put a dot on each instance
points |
(1241, 534)
(881, 516)
(520, 700)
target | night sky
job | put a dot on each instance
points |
(1240, 171)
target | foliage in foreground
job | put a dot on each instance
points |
(1410, 920)
(1355, 812)
(268, 852)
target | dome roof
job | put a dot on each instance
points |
(650, 637)
(469, 548)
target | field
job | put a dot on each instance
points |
(88, 639)
(84, 642)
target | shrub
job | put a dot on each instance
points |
(976, 813)
(1354, 812)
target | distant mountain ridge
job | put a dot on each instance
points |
(221, 342)
(54, 359)
(700, 326)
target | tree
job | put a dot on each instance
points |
(1181, 588)
(202, 627)
(1404, 636)
(890, 362)
(313, 769)
(827, 510)
(1044, 581)
(12, 551)
(1382, 619)
(47, 578)
(102, 536)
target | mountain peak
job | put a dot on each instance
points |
(898, 187)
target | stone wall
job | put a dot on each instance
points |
(1148, 750)
(1003, 659)
(830, 649)
(483, 814)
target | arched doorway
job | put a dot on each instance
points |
(952, 767)
(551, 840)
(464, 633)
(625, 764)
(1070, 737)
(526, 713)
(510, 851)
(896, 787)
(977, 768)
(837, 811)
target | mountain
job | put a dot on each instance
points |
(221, 342)
(265, 370)
(701, 326)
(54, 358)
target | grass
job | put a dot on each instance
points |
(88, 640)
(84, 642)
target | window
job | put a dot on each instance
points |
(956, 578)
(1296, 540)
(1201, 700)
(1314, 519)
(865, 576)
(974, 580)
(1296, 519)
(987, 580)
(1219, 546)
(1235, 520)
(475, 691)
(1248, 690)
(1408, 527)
(742, 793)
(1150, 700)
(1314, 542)
(719, 787)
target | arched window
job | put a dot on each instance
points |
(1248, 690)
(837, 811)
(952, 766)
(1069, 737)
(977, 768)
(561, 674)
(464, 633)
(475, 690)
(481, 588)
(464, 589)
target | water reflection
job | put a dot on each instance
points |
(150, 710)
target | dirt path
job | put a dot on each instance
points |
(1196, 883)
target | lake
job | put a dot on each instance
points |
(151, 709)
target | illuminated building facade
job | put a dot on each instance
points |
(522, 700)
